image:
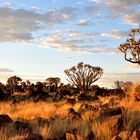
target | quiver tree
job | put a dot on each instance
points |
(131, 48)
(83, 75)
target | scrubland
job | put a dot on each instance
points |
(110, 117)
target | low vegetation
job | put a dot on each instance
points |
(99, 114)
(51, 110)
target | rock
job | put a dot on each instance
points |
(91, 136)
(111, 112)
(138, 133)
(33, 136)
(40, 121)
(22, 127)
(87, 97)
(104, 107)
(71, 101)
(5, 119)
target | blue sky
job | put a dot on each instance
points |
(42, 38)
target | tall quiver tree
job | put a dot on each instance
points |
(131, 48)
(83, 75)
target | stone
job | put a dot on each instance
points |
(138, 133)
(91, 136)
(84, 97)
(22, 127)
(5, 119)
(33, 136)
(111, 112)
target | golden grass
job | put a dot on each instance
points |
(60, 125)
(101, 131)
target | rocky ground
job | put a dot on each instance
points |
(103, 118)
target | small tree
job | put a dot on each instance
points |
(131, 48)
(83, 75)
(13, 82)
(53, 81)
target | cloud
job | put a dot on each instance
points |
(7, 5)
(115, 34)
(92, 9)
(124, 9)
(132, 19)
(20, 24)
(125, 3)
(33, 8)
(60, 40)
(133, 66)
(5, 70)
(83, 22)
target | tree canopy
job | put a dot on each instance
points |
(131, 48)
(83, 75)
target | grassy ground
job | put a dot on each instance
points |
(56, 113)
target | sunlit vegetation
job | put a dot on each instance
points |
(51, 110)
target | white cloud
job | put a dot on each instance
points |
(7, 5)
(115, 34)
(122, 8)
(83, 22)
(133, 66)
(5, 70)
(20, 24)
(60, 40)
(132, 19)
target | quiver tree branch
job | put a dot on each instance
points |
(131, 48)
(83, 75)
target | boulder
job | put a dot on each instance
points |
(33, 136)
(71, 101)
(138, 133)
(87, 97)
(111, 112)
(22, 127)
(91, 136)
(40, 121)
(104, 107)
(5, 119)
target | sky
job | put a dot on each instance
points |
(42, 38)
